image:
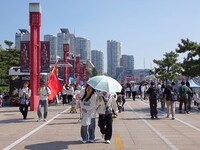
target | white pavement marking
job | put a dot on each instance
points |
(185, 123)
(33, 131)
(173, 147)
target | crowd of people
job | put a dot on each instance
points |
(92, 102)
(166, 94)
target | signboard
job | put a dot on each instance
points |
(45, 56)
(25, 56)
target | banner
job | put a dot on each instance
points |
(45, 56)
(25, 56)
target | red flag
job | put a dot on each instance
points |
(54, 84)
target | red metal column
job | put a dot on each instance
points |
(84, 74)
(78, 70)
(66, 51)
(35, 22)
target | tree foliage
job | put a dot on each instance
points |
(8, 43)
(8, 58)
(191, 63)
(168, 68)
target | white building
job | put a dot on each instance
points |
(53, 46)
(65, 37)
(113, 57)
(127, 62)
(97, 59)
(83, 48)
(24, 35)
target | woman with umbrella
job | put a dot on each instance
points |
(106, 102)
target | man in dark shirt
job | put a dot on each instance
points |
(152, 92)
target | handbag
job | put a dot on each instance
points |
(174, 96)
(24, 101)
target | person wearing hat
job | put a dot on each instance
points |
(44, 92)
(24, 96)
(152, 92)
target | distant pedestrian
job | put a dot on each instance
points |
(183, 89)
(1, 100)
(189, 96)
(44, 92)
(152, 92)
(161, 96)
(70, 93)
(170, 96)
(64, 95)
(24, 99)
(106, 105)
(134, 91)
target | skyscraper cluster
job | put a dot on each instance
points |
(118, 64)
(79, 46)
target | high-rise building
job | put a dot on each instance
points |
(53, 46)
(98, 60)
(65, 37)
(127, 61)
(113, 57)
(24, 35)
(83, 48)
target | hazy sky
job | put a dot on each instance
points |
(146, 28)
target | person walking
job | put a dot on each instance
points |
(88, 110)
(152, 92)
(24, 96)
(44, 92)
(106, 104)
(64, 95)
(70, 93)
(189, 96)
(183, 89)
(170, 96)
(134, 91)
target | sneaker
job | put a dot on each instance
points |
(152, 117)
(107, 141)
(167, 116)
(39, 120)
(173, 118)
(83, 142)
(91, 141)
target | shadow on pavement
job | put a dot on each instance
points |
(57, 145)
(17, 120)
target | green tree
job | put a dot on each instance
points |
(8, 43)
(94, 72)
(191, 63)
(8, 58)
(168, 67)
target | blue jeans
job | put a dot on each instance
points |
(92, 129)
(45, 104)
(84, 133)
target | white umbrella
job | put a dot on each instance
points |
(104, 83)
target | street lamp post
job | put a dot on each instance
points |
(35, 22)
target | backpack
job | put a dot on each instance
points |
(183, 90)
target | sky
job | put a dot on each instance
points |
(147, 29)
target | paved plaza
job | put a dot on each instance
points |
(133, 130)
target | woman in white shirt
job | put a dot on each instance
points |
(24, 96)
(88, 109)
